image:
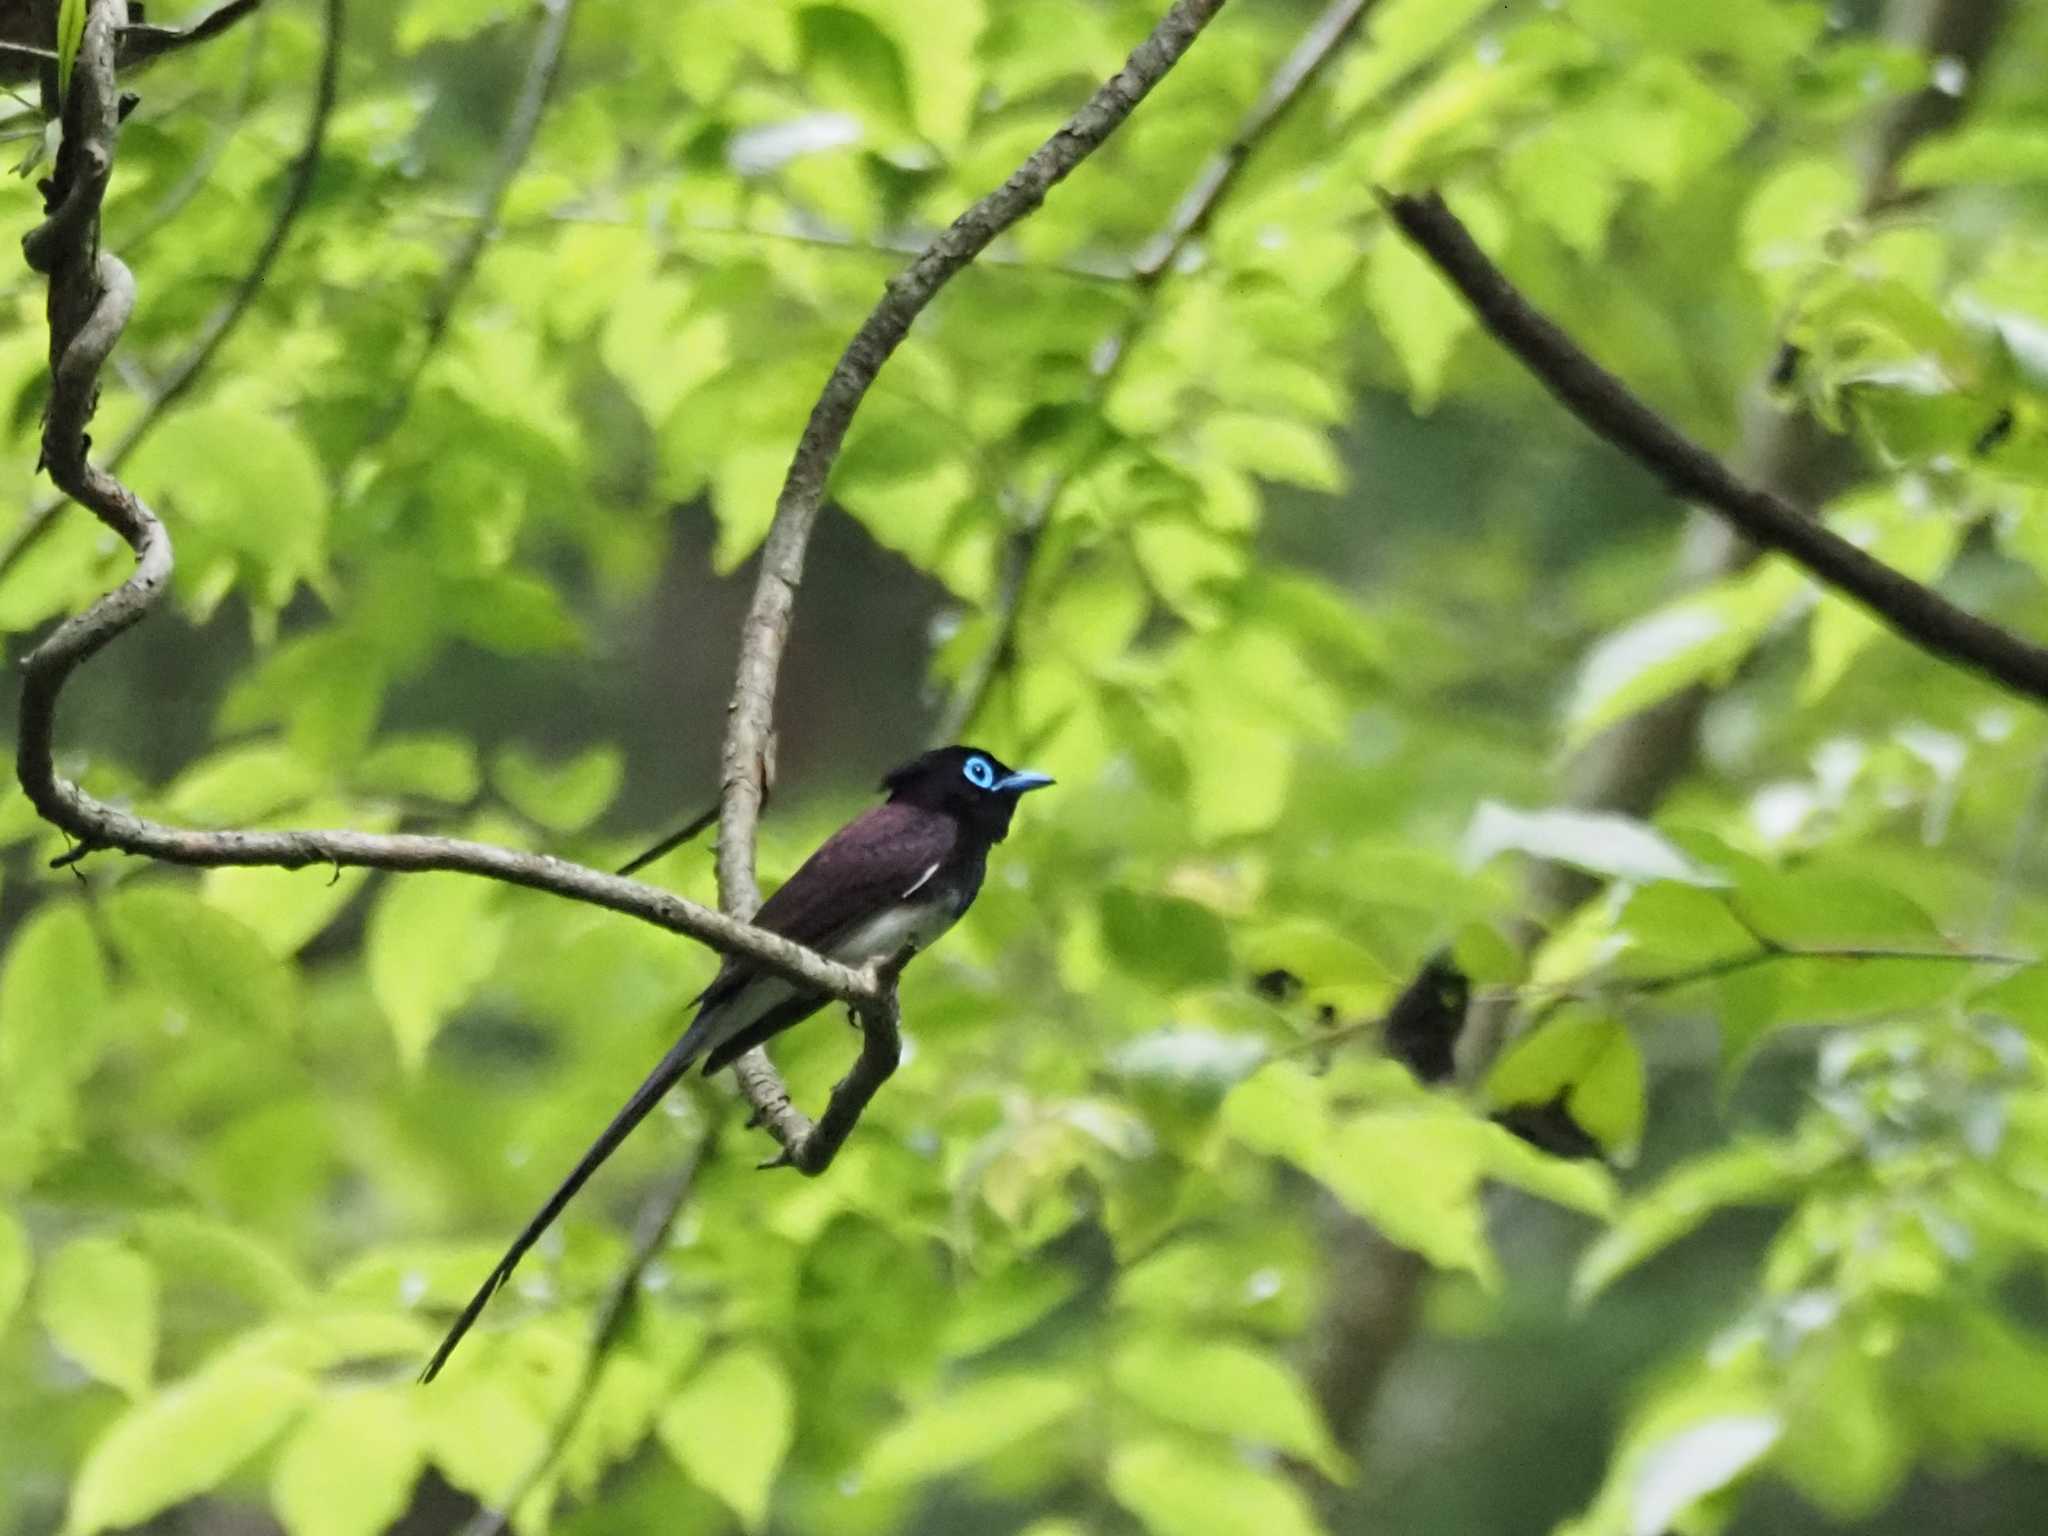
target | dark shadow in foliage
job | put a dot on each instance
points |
(1422, 1028)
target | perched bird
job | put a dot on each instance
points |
(898, 875)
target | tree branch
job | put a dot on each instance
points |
(658, 1217)
(185, 372)
(91, 295)
(1188, 222)
(1600, 400)
(765, 630)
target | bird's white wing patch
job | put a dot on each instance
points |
(920, 882)
(882, 935)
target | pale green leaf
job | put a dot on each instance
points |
(217, 972)
(1227, 1388)
(731, 1426)
(433, 939)
(1589, 1058)
(1188, 1488)
(350, 1466)
(98, 1299)
(183, 1441)
(70, 34)
(1701, 638)
(284, 908)
(563, 796)
(1422, 316)
(966, 1426)
(53, 999)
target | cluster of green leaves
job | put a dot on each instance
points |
(1062, 1278)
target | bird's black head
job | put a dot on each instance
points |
(976, 786)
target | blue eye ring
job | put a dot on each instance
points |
(979, 773)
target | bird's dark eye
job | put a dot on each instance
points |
(979, 773)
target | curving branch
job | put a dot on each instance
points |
(91, 296)
(765, 630)
(1915, 612)
(185, 372)
(1189, 221)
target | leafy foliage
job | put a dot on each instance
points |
(1317, 591)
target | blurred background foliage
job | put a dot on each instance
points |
(1321, 596)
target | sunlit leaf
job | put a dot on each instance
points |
(183, 1441)
(731, 1426)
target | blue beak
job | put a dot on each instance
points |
(1017, 783)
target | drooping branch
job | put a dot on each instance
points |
(1911, 610)
(749, 734)
(766, 627)
(91, 295)
(1189, 221)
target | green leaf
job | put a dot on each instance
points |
(730, 1428)
(184, 1441)
(1600, 843)
(285, 908)
(511, 614)
(1747, 1173)
(53, 1000)
(967, 1426)
(1701, 638)
(249, 498)
(1416, 1177)
(1229, 1389)
(1816, 907)
(98, 1299)
(1591, 1059)
(70, 34)
(17, 1260)
(1422, 316)
(213, 967)
(350, 1466)
(1167, 940)
(566, 796)
(433, 939)
(1916, 543)
(220, 1257)
(436, 767)
(1276, 449)
(1182, 1487)
(1983, 154)
(240, 785)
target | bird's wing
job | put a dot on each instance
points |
(873, 861)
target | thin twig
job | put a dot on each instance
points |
(765, 629)
(656, 1219)
(543, 68)
(91, 296)
(1190, 219)
(140, 44)
(1597, 988)
(1917, 613)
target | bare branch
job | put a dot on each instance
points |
(766, 627)
(750, 727)
(656, 1220)
(140, 44)
(1190, 219)
(1916, 612)
(91, 295)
